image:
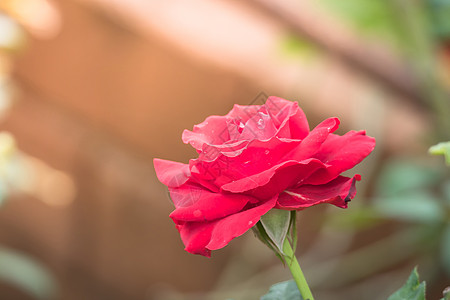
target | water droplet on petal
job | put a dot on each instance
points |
(266, 152)
(197, 213)
(260, 124)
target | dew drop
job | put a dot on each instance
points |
(197, 213)
(260, 124)
(266, 152)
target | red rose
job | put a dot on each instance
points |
(254, 159)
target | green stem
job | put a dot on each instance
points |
(296, 271)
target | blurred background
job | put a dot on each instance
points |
(92, 90)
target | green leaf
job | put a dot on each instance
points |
(441, 149)
(401, 176)
(292, 45)
(359, 218)
(445, 250)
(286, 290)
(292, 234)
(446, 293)
(412, 290)
(446, 191)
(276, 223)
(439, 11)
(418, 206)
(261, 234)
(372, 18)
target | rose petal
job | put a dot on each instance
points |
(196, 203)
(235, 225)
(338, 192)
(202, 237)
(290, 117)
(242, 113)
(214, 130)
(170, 173)
(260, 127)
(275, 179)
(258, 156)
(288, 176)
(341, 153)
(312, 143)
(195, 236)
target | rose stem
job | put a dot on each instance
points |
(296, 271)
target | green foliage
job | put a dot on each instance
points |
(445, 249)
(440, 17)
(418, 193)
(446, 192)
(373, 18)
(412, 290)
(405, 192)
(402, 176)
(293, 45)
(360, 218)
(276, 223)
(446, 293)
(274, 228)
(286, 290)
(419, 206)
(442, 148)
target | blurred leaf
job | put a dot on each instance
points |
(261, 234)
(357, 218)
(445, 250)
(374, 18)
(292, 45)
(446, 293)
(446, 191)
(400, 176)
(276, 223)
(442, 149)
(26, 274)
(440, 17)
(412, 290)
(286, 290)
(420, 206)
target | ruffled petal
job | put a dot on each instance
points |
(341, 153)
(338, 192)
(274, 180)
(313, 142)
(277, 117)
(213, 131)
(196, 203)
(260, 127)
(256, 157)
(202, 237)
(236, 225)
(289, 117)
(173, 174)
(242, 113)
